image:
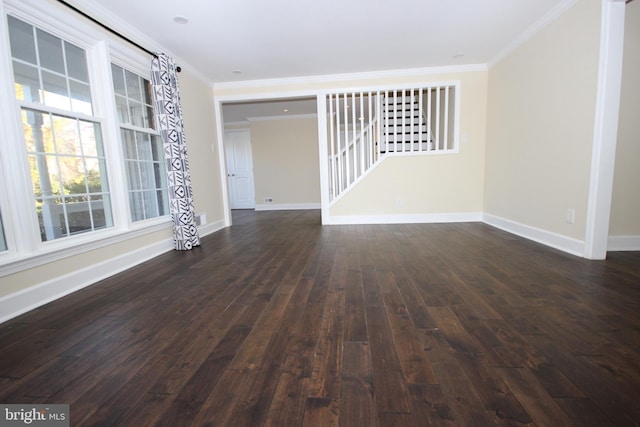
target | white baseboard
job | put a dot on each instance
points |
(35, 296)
(623, 243)
(548, 238)
(210, 228)
(286, 206)
(404, 218)
(28, 299)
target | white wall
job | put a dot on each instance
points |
(540, 125)
(625, 207)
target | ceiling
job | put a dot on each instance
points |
(234, 40)
(238, 40)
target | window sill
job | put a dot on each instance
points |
(11, 262)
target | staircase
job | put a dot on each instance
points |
(404, 125)
(364, 127)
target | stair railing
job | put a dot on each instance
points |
(353, 137)
(366, 126)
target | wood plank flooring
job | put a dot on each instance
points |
(278, 321)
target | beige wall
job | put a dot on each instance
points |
(430, 184)
(540, 125)
(26, 279)
(625, 207)
(200, 134)
(285, 160)
(196, 98)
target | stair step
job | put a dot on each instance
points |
(407, 141)
(404, 129)
(407, 147)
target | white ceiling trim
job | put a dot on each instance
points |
(538, 26)
(350, 77)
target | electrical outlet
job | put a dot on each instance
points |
(571, 215)
(201, 219)
(268, 199)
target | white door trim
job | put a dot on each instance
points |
(605, 129)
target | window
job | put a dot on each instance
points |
(142, 146)
(63, 140)
(3, 242)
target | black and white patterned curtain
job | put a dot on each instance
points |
(166, 97)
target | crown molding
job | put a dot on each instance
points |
(350, 77)
(534, 29)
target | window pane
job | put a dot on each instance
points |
(50, 52)
(27, 82)
(136, 203)
(21, 39)
(59, 79)
(150, 203)
(163, 202)
(100, 211)
(134, 91)
(73, 175)
(67, 139)
(56, 93)
(143, 142)
(137, 113)
(65, 154)
(90, 139)
(123, 109)
(158, 169)
(96, 175)
(147, 175)
(76, 62)
(148, 97)
(37, 131)
(51, 218)
(133, 174)
(143, 154)
(67, 168)
(156, 149)
(117, 73)
(80, 97)
(129, 142)
(149, 119)
(3, 242)
(45, 175)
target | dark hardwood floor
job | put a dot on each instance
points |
(279, 321)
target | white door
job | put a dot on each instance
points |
(237, 145)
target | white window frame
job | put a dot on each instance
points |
(25, 248)
(149, 131)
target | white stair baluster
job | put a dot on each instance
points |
(445, 139)
(438, 118)
(341, 185)
(420, 120)
(363, 144)
(332, 160)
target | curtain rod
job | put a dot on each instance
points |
(111, 30)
